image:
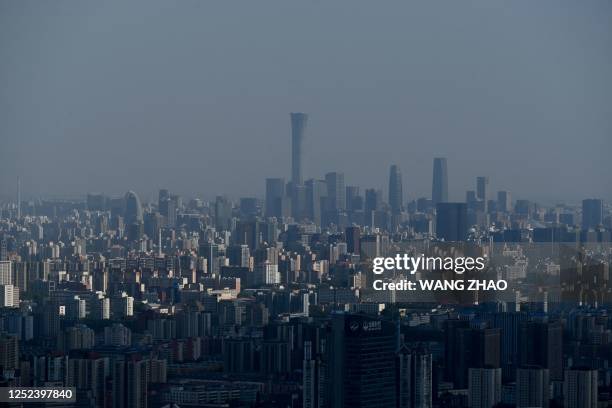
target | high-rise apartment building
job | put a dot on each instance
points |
(580, 388)
(532, 387)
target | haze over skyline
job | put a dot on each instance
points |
(195, 96)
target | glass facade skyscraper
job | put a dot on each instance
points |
(439, 191)
(298, 127)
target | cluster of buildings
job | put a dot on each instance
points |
(268, 302)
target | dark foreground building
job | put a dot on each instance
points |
(361, 362)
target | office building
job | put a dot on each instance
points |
(451, 221)
(353, 199)
(316, 194)
(439, 191)
(298, 129)
(210, 252)
(395, 189)
(482, 184)
(592, 213)
(223, 213)
(275, 193)
(504, 201)
(336, 193)
(361, 358)
(239, 255)
(353, 236)
(133, 208)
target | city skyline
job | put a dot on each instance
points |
(273, 204)
(383, 186)
(440, 184)
(528, 107)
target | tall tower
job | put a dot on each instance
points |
(481, 187)
(481, 191)
(298, 127)
(439, 191)
(133, 208)
(336, 193)
(504, 201)
(395, 189)
(18, 197)
(592, 213)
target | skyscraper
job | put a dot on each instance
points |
(352, 197)
(481, 187)
(298, 201)
(313, 395)
(238, 255)
(298, 127)
(361, 358)
(509, 323)
(316, 192)
(472, 348)
(439, 191)
(484, 387)
(395, 189)
(451, 221)
(18, 198)
(373, 200)
(414, 378)
(481, 191)
(580, 388)
(353, 235)
(275, 192)
(504, 201)
(541, 344)
(592, 213)
(210, 251)
(532, 387)
(336, 194)
(133, 209)
(223, 213)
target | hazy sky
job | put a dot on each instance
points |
(195, 95)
